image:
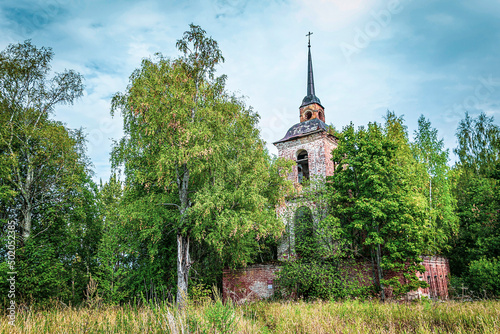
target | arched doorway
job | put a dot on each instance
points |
(304, 231)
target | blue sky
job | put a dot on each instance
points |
(433, 57)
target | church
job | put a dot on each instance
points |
(309, 143)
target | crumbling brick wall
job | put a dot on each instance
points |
(319, 148)
(257, 282)
(437, 274)
(249, 284)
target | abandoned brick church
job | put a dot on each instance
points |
(310, 144)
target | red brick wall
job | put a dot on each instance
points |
(249, 284)
(257, 282)
(437, 273)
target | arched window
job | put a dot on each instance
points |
(304, 231)
(308, 115)
(320, 116)
(302, 166)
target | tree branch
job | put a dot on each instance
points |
(172, 204)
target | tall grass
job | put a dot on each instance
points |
(375, 317)
(266, 317)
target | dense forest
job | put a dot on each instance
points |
(194, 189)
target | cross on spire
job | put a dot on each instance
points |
(311, 95)
(309, 37)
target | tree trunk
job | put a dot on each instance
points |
(183, 266)
(183, 259)
(26, 221)
(27, 208)
(374, 267)
(380, 275)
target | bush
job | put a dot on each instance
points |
(317, 279)
(484, 275)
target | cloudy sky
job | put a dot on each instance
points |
(433, 57)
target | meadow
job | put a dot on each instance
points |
(265, 317)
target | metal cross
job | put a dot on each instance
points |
(309, 36)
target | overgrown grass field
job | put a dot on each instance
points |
(267, 317)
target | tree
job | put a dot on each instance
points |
(41, 155)
(111, 254)
(47, 189)
(430, 153)
(375, 202)
(478, 145)
(194, 153)
(476, 188)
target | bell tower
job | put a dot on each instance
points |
(310, 145)
(308, 142)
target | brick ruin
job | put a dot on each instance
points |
(437, 275)
(258, 282)
(249, 284)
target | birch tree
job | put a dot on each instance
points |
(429, 151)
(195, 150)
(40, 154)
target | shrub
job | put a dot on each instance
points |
(317, 279)
(484, 275)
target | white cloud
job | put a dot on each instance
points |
(265, 47)
(441, 19)
(331, 15)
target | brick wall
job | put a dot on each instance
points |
(249, 284)
(319, 148)
(314, 110)
(437, 274)
(257, 282)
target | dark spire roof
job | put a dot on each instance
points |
(311, 96)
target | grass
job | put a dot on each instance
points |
(267, 317)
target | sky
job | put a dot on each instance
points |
(437, 58)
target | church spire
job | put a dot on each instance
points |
(311, 95)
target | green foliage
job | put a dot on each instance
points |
(47, 190)
(478, 207)
(484, 275)
(320, 279)
(375, 202)
(477, 191)
(199, 293)
(222, 318)
(430, 153)
(193, 158)
(41, 155)
(111, 254)
(305, 238)
(41, 275)
(478, 145)
(142, 246)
